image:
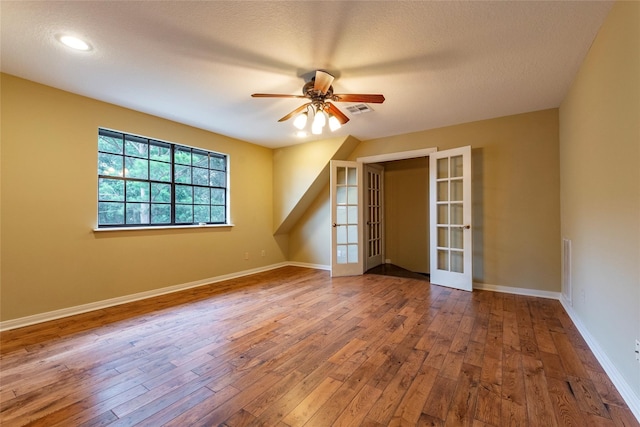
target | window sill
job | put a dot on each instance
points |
(168, 227)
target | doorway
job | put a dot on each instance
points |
(449, 213)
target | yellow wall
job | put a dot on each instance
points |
(51, 258)
(406, 221)
(600, 188)
(516, 219)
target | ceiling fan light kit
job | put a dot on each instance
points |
(320, 92)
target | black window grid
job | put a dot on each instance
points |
(212, 158)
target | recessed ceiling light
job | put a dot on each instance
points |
(74, 42)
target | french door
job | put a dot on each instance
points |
(450, 218)
(346, 207)
(373, 215)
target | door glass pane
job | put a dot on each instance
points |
(443, 260)
(352, 214)
(456, 166)
(456, 213)
(457, 264)
(352, 233)
(456, 189)
(341, 214)
(341, 175)
(443, 214)
(341, 195)
(443, 168)
(352, 177)
(352, 197)
(443, 191)
(341, 234)
(341, 254)
(352, 255)
(443, 236)
(456, 238)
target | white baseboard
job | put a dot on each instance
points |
(307, 265)
(70, 311)
(516, 291)
(626, 391)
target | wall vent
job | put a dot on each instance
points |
(359, 109)
(567, 291)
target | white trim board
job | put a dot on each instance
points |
(79, 309)
(399, 155)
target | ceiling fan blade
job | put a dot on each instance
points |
(337, 113)
(366, 98)
(275, 95)
(300, 109)
(322, 82)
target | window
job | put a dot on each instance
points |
(144, 182)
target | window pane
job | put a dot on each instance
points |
(352, 234)
(136, 168)
(442, 168)
(217, 196)
(184, 194)
(352, 178)
(137, 213)
(201, 195)
(137, 191)
(353, 214)
(160, 214)
(456, 166)
(200, 159)
(110, 213)
(200, 176)
(110, 144)
(201, 214)
(352, 254)
(136, 146)
(218, 214)
(218, 179)
(341, 254)
(109, 164)
(183, 174)
(182, 156)
(160, 171)
(341, 214)
(218, 162)
(160, 151)
(111, 189)
(161, 193)
(184, 214)
(352, 195)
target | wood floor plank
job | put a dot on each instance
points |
(293, 346)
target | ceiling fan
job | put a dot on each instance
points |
(320, 94)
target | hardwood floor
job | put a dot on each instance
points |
(293, 347)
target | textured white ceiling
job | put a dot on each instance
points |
(437, 63)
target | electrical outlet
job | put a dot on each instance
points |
(263, 253)
(583, 296)
(638, 350)
(246, 255)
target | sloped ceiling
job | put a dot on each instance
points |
(437, 63)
